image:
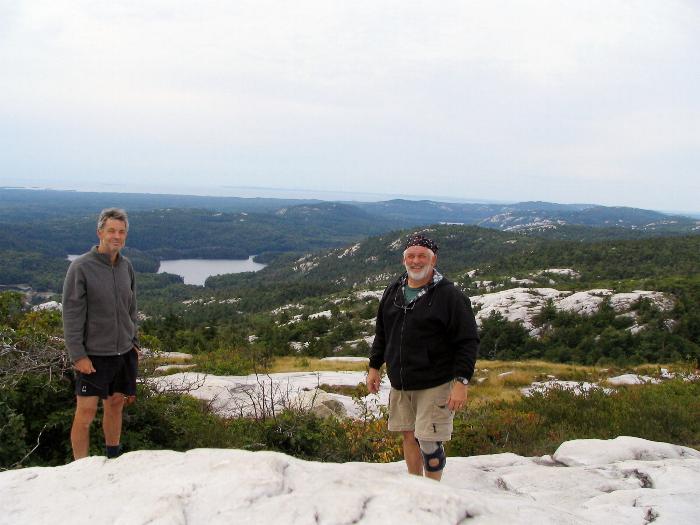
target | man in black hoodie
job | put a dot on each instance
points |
(427, 336)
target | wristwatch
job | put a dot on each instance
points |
(462, 380)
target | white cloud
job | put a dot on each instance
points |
(352, 94)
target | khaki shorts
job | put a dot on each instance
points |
(424, 412)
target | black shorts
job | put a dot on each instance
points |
(113, 373)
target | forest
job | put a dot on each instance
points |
(318, 296)
(321, 253)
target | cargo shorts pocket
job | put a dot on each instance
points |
(441, 414)
(441, 420)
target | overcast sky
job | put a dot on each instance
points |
(509, 100)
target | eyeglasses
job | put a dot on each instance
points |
(405, 307)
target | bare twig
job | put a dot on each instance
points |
(266, 398)
(38, 440)
(163, 385)
(27, 354)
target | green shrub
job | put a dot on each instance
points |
(224, 363)
(12, 436)
(10, 308)
(170, 421)
(537, 425)
(43, 406)
(492, 428)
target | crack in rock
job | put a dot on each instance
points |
(363, 510)
(501, 484)
(645, 480)
(466, 517)
(650, 516)
(284, 488)
(547, 461)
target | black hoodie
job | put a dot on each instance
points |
(427, 342)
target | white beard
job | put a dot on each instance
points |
(419, 275)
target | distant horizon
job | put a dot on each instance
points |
(513, 101)
(252, 192)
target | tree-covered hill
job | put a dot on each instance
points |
(377, 260)
(330, 244)
(529, 216)
(185, 233)
(203, 233)
(280, 304)
(19, 205)
(658, 257)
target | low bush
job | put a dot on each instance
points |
(537, 425)
(512, 379)
(224, 363)
(531, 426)
(37, 404)
(35, 418)
(169, 421)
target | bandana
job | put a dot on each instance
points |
(420, 240)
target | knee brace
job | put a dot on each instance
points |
(431, 450)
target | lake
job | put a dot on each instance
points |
(196, 271)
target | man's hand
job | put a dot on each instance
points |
(373, 380)
(84, 366)
(458, 396)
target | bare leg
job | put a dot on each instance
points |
(112, 418)
(85, 410)
(411, 453)
(433, 475)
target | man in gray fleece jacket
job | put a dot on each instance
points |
(99, 325)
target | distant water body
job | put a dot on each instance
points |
(196, 271)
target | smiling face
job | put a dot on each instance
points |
(419, 262)
(112, 237)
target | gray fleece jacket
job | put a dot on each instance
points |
(99, 306)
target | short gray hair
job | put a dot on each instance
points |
(112, 213)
